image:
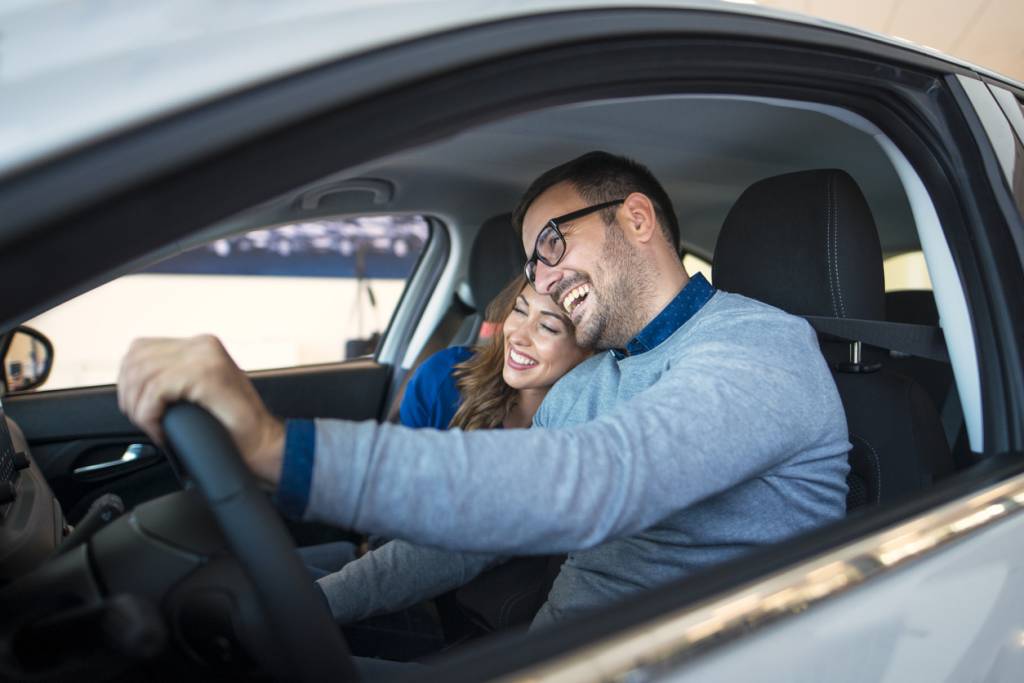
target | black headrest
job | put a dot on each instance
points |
(806, 243)
(496, 257)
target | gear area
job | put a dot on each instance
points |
(154, 591)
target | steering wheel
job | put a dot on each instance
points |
(310, 640)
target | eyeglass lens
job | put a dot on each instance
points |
(550, 247)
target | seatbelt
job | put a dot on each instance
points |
(924, 341)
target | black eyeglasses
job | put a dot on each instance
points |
(549, 248)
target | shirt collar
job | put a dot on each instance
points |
(697, 292)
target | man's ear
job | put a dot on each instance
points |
(641, 222)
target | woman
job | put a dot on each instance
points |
(500, 385)
(503, 383)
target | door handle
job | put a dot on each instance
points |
(135, 455)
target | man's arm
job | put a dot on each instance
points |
(158, 372)
(719, 419)
(720, 416)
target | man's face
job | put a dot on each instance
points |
(592, 281)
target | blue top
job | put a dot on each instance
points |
(431, 397)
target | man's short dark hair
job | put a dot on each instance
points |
(603, 177)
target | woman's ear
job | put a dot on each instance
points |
(641, 221)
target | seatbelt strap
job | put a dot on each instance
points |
(924, 341)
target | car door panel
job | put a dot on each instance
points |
(86, 447)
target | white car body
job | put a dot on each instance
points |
(127, 63)
(929, 595)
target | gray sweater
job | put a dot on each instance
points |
(726, 436)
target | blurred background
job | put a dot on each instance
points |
(288, 295)
(983, 32)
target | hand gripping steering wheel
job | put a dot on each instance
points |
(309, 638)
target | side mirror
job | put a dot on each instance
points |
(26, 357)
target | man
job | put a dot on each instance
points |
(708, 426)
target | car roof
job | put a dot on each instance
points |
(73, 73)
(704, 149)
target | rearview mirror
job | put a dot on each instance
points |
(27, 356)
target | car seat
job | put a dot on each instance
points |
(495, 258)
(917, 306)
(806, 242)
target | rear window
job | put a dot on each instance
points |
(695, 264)
(906, 271)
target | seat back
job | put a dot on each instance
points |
(495, 258)
(917, 306)
(806, 242)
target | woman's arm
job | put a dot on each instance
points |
(398, 575)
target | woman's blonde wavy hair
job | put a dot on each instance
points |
(486, 399)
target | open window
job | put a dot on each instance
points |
(315, 292)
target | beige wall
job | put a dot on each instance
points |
(983, 32)
(265, 322)
(907, 271)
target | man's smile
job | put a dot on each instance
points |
(574, 297)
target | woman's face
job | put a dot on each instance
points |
(540, 344)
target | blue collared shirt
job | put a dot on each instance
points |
(697, 292)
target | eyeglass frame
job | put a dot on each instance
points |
(553, 224)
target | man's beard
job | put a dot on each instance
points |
(621, 289)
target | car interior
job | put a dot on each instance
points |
(792, 203)
(733, 175)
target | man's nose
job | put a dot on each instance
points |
(545, 278)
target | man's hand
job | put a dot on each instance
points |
(158, 372)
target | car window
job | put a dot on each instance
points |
(695, 264)
(906, 271)
(298, 294)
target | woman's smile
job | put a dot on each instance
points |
(519, 361)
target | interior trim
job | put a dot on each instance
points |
(995, 122)
(419, 290)
(435, 308)
(950, 300)
(682, 633)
